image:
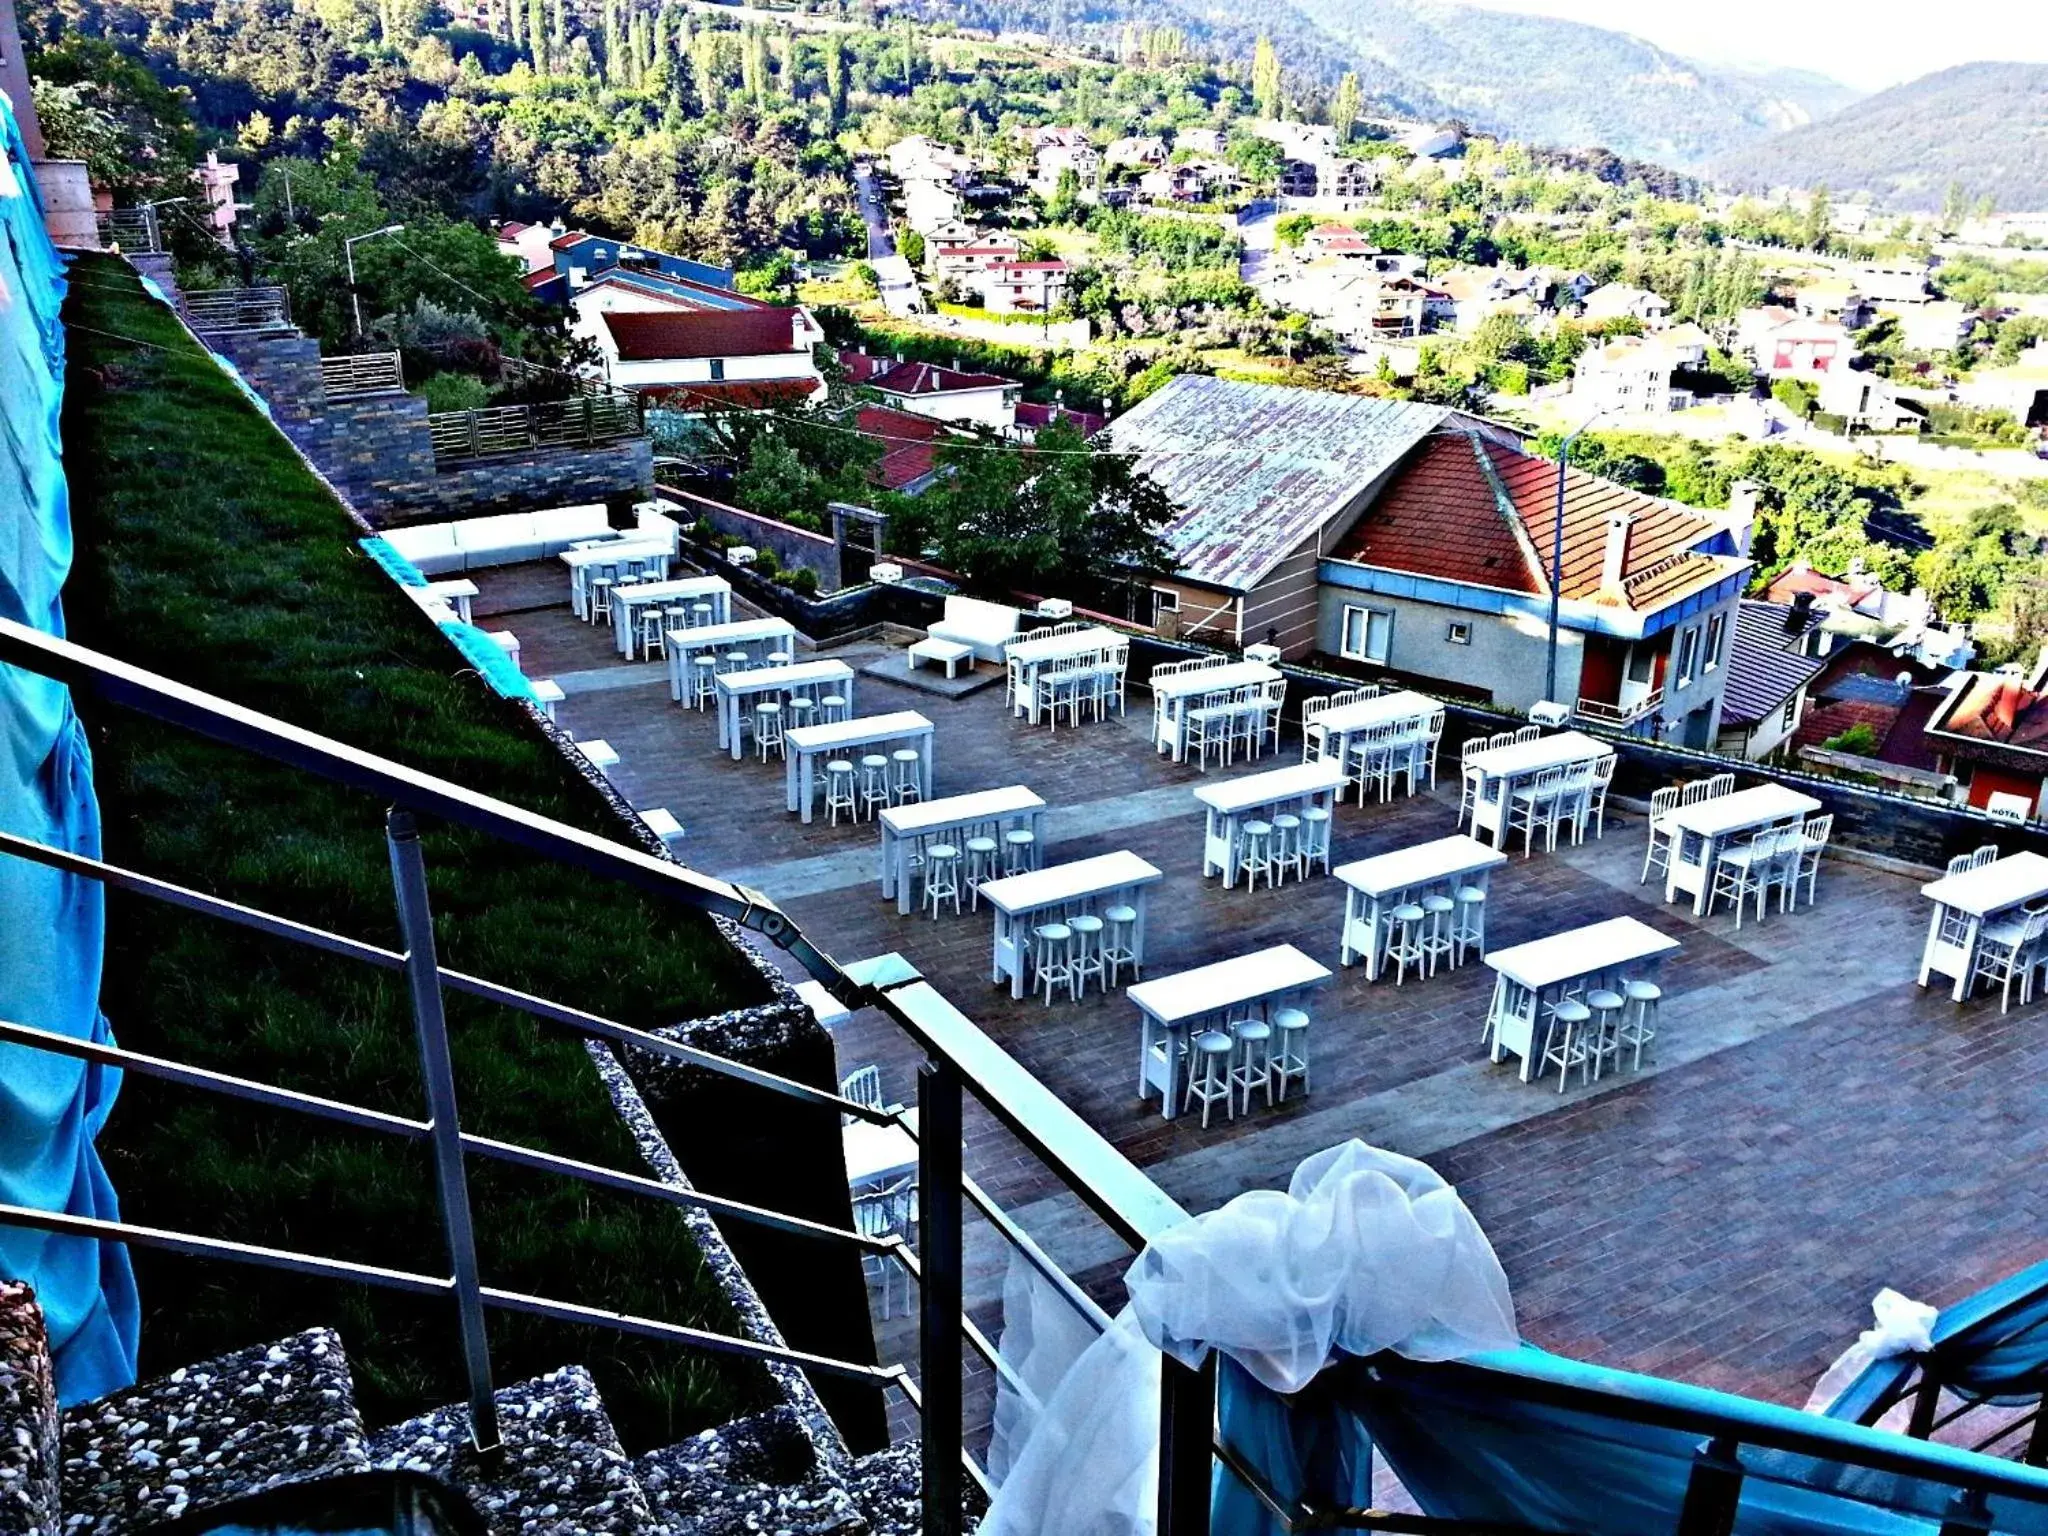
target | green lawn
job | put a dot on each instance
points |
(208, 552)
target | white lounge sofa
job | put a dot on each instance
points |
(472, 543)
(984, 627)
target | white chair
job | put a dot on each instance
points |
(1432, 739)
(1813, 843)
(1534, 807)
(654, 626)
(941, 877)
(1565, 1046)
(1595, 804)
(1020, 850)
(839, 792)
(1255, 854)
(1638, 1018)
(1290, 1051)
(1087, 959)
(1404, 944)
(1720, 784)
(2008, 950)
(1287, 847)
(1575, 798)
(1471, 780)
(1251, 1064)
(1955, 923)
(909, 783)
(1056, 960)
(1740, 873)
(1663, 835)
(1315, 839)
(704, 682)
(1119, 944)
(1527, 733)
(886, 1213)
(1469, 932)
(1437, 942)
(1209, 1063)
(863, 1085)
(768, 728)
(832, 709)
(984, 862)
(1603, 1029)
(874, 785)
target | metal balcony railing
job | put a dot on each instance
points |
(960, 1059)
(587, 419)
(367, 373)
(1606, 712)
(132, 229)
(236, 309)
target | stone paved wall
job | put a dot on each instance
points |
(550, 477)
(793, 546)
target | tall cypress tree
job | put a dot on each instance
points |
(537, 34)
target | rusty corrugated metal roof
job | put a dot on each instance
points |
(1257, 468)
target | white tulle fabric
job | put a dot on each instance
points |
(1903, 1327)
(1365, 1251)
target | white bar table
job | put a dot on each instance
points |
(1235, 801)
(608, 552)
(1031, 656)
(1020, 901)
(1702, 830)
(805, 745)
(736, 687)
(1173, 692)
(1348, 720)
(628, 601)
(877, 1153)
(1379, 884)
(1502, 768)
(1169, 1006)
(905, 826)
(461, 593)
(1972, 897)
(1528, 971)
(756, 636)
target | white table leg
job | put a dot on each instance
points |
(924, 749)
(789, 783)
(1037, 859)
(1927, 949)
(1171, 1106)
(1144, 1055)
(1708, 853)
(1372, 934)
(1961, 991)
(1139, 904)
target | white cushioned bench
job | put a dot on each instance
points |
(981, 627)
(472, 543)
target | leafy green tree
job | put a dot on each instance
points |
(1266, 89)
(1345, 106)
(134, 133)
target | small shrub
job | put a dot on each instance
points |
(804, 582)
(454, 392)
(703, 532)
(766, 563)
(1860, 740)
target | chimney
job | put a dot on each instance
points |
(1614, 557)
(1742, 500)
(1802, 611)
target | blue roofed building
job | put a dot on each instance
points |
(561, 263)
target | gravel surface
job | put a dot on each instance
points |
(29, 1425)
(758, 1474)
(251, 1420)
(561, 1471)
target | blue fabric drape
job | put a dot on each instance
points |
(392, 563)
(489, 658)
(1991, 1347)
(1475, 1440)
(52, 925)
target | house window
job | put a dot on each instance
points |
(1788, 718)
(1460, 633)
(1642, 662)
(1688, 653)
(717, 369)
(1164, 601)
(1711, 657)
(1367, 632)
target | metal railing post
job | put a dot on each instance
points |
(423, 980)
(1187, 1434)
(1969, 1514)
(1713, 1491)
(1926, 1399)
(939, 1291)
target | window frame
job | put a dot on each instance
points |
(1366, 615)
(1688, 648)
(1710, 657)
(1788, 717)
(1458, 632)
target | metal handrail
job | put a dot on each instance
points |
(1610, 713)
(133, 229)
(236, 309)
(961, 1059)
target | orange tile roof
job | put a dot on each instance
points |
(1999, 712)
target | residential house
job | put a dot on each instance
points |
(948, 236)
(959, 263)
(1476, 292)
(1428, 141)
(1346, 179)
(1560, 287)
(1991, 734)
(1298, 141)
(1619, 301)
(1058, 150)
(1141, 152)
(1937, 325)
(1189, 181)
(1033, 419)
(1769, 667)
(919, 158)
(1627, 374)
(1885, 283)
(1857, 608)
(930, 204)
(575, 259)
(1298, 178)
(1266, 479)
(754, 357)
(942, 394)
(1754, 325)
(1336, 240)
(528, 244)
(2020, 388)
(1803, 349)
(1022, 287)
(1202, 141)
(1892, 703)
(1687, 344)
(909, 442)
(1868, 402)
(1448, 575)
(1836, 299)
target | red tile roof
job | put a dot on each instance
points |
(911, 378)
(909, 445)
(1038, 417)
(649, 336)
(2000, 712)
(1465, 508)
(741, 394)
(1031, 266)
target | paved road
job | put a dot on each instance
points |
(900, 293)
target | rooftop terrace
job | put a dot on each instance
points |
(1814, 1126)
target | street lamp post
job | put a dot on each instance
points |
(348, 251)
(1564, 450)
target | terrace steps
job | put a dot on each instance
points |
(277, 1414)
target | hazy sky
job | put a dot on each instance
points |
(1867, 43)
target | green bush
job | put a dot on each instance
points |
(1860, 740)
(804, 581)
(766, 563)
(453, 392)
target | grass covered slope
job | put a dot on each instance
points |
(207, 551)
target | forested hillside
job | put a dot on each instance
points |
(1982, 126)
